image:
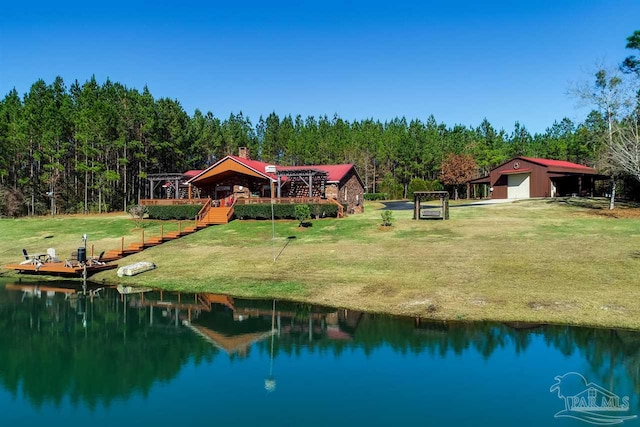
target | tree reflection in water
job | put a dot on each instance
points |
(58, 343)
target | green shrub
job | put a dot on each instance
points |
(316, 210)
(282, 211)
(393, 188)
(416, 184)
(387, 218)
(302, 213)
(165, 212)
(434, 185)
(376, 196)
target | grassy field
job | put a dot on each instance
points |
(559, 261)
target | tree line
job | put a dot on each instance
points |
(89, 146)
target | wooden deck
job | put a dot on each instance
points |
(59, 269)
(280, 200)
(169, 202)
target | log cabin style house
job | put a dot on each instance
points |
(252, 181)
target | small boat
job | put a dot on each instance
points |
(137, 268)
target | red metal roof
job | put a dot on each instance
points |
(192, 173)
(557, 163)
(335, 173)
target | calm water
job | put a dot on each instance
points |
(132, 359)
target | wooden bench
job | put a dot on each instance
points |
(431, 213)
(441, 211)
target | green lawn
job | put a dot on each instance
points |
(537, 261)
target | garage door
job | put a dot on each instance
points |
(518, 186)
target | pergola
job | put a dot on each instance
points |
(442, 211)
(309, 176)
(157, 178)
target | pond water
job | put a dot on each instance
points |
(117, 357)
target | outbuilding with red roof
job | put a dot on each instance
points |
(526, 177)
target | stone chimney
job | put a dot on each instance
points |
(243, 152)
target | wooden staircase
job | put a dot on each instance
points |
(218, 215)
(207, 216)
(341, 213)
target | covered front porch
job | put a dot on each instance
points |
(563, 185)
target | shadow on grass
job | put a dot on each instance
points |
(580, 202)
(594, 203)
(406, 205)
(397, 205)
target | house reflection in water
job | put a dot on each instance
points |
(234, 325)
(230, 324)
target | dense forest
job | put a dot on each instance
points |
(89, 146)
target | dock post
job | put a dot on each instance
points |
(84, 280)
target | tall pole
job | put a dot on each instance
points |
(84, 278)
(84, 265)
(270, 382)
(273, 229)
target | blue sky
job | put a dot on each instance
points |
(461, 61)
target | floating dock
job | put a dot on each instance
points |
(59, 269)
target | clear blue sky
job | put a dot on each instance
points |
(458, 60)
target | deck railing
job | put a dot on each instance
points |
(168, 202)
(229, 201)
(283, 200)
(340, 207)
(203, 211)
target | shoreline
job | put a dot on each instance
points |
(540, 319)
(464, 317)
(553, 261)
